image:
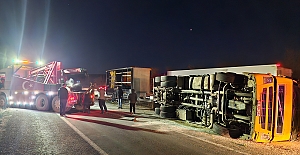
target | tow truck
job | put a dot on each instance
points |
(24, 86)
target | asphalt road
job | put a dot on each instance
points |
(116, 132)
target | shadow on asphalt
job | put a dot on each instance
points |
(111, 114)
(125, 127)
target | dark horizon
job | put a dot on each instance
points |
(163, 34)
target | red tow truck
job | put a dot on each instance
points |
(37, 87)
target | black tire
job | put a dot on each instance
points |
(42, 102)
(167, 114)
(167, 108)
(168, 84)
(157, 79)
(225, 77)
(157, 111)
(168, 78)
(156, 84)
(3, 102)
(235, 133)
(55, 104)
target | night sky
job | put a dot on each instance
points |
(165, 34)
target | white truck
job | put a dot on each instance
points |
(259, 102)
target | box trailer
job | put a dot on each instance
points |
(129, 78)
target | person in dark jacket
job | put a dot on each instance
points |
(132, 97)
(63, 96)
(120, 97)
(87, 102)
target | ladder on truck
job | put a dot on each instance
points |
(50, 73)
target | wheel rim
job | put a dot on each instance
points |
(55, 104)
(42, 103)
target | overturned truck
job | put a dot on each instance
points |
(259, 106)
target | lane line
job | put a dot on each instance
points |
(95, 146)
(213, 143)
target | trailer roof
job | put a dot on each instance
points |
(271, 68)
(127, 68)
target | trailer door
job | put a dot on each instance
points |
(274, 108)
(283, 109)
(264, 109)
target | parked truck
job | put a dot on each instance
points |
(260, 102)
(30, 87)
(129, 78)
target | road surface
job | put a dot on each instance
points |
(24, 131)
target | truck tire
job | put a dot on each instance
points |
(168, 78)
(168, 84)
(169, 109)
(55, 103)
(3, 102)
(157, 79)
(167, 114)
(42, 102)
(156, 84)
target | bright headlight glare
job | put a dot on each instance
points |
(10, 97)
(16, 92)
(50, 93)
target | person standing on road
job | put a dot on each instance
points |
(132, 97)
(102, 100)
(120, 96)
(63, 95)
(87, 101)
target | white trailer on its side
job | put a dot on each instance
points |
(274, 69)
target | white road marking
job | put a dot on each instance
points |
(210, 142)
(95, 146)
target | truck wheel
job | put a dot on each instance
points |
(169, 109)
(42, 102)
(167, 114)
(235, 133)
(2, 102)
(79, 107)
(168, 78)
(55, 104)
(168, 84)
(156, 84)
(157, 79)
